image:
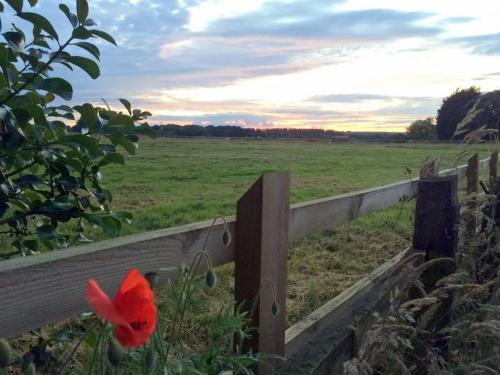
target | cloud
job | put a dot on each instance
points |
(488, 44)
(281, 38)
(300, 19)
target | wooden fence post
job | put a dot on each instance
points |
(436, 233)
(472, 173)
(261, 248)
(493, 167)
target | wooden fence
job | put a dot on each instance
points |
(44, 289)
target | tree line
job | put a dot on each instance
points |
(464, 112)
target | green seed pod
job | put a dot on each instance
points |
(152, 278)
(116, 354)
(5, 353)
(150, 360)
(210, 278)
(275, 308)
(226, 238)
(30, 369)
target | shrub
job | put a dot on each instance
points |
(48, 174)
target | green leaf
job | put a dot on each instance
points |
(40, 21)
(88, 114)
(81, 33)
(127, 105)
(87, 65)
(85, 141)
(32, 2)
(129, 146)
(57, 86)
(90, 48)
(89, 22)
(71, 17)
(15, 39)
(103, 35)
(109, 224)
(82, 10)
(17, 5)
(46, 233)
(113, 157)
(121, 121)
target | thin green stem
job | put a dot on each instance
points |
(96, 348)
(70, 356)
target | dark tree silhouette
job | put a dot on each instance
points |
(453, 111)
(483, 114)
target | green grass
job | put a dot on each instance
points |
(176, 181)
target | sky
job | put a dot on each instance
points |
(358, 65)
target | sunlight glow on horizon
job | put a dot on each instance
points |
(336, 64)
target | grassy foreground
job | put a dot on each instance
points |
(176, 181)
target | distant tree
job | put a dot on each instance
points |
(422, 129)
(453, 111)
(483, 118)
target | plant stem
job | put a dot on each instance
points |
(60, 369)
(30, 164)
(96, 349)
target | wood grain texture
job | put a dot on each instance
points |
(261, 249)
(305, 329)
(436, 233)
(36, 291)
(493, 168)
(43, 289)
(322, 342)
(472, 173)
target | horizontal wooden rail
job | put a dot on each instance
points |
(47, 288)
(329, 330)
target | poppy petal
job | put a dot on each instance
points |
(101, 304)
(131, 280)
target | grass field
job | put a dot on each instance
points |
(176, 181)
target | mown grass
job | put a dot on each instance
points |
(176, 181)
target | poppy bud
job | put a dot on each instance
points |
(30, 369)
(210, 278)
(152, 278)
(5, 353)
(116, 354)
(226, 237)
(150, 359)
(275, 308)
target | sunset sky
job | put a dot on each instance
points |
(344, 65)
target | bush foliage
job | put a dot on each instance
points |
(49, 175)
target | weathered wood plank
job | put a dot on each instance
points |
(493, 169)
(304, 330)
(322, 341)
(321, 214)
(261, 250)
(39, 290)
(32, 288)
(472, 173)
(436, 233)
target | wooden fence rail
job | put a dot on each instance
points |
(331, 335)
(44, 289)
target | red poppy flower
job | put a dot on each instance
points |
(132, 310)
